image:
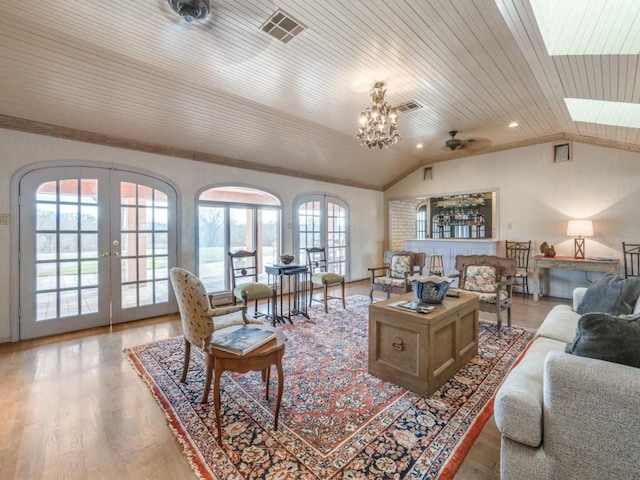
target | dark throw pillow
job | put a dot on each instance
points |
(611, 294)
(608, 337)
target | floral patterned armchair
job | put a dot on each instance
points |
(491, 279)
(200, 318)
(399, 265)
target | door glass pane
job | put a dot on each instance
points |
(144, 243)
(46, 216)
(68, 274)
(162, 291)
(336, 238)
(46, 276)
(47, 306)
(69, 305)
(89, 217)
(67, 205)
(211, 250)
(89, 274)
(128, 246)
(68, 245)
(68, 217)
(89, 302)
(310, 235)
(89, 245)
(46, 246)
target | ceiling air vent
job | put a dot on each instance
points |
(408, 106)
(282, 26)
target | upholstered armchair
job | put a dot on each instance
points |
(491, 279)
(200, 318)
(393, 276)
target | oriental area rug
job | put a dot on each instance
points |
(336, 419)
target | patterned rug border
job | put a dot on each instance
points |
(447, 470)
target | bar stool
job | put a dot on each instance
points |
(436, 265)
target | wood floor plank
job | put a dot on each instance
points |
(72, 407)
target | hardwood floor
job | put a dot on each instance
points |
(72, 407)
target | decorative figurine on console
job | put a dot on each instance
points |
(547, 250)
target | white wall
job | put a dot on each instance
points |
(536, 197)
(19, 149)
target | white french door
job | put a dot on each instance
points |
(96, 246)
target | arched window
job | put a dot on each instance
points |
(322, 220)
(232, 218)
(421, 221)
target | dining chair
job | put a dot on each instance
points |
(631, 252)
(322, 277)
(245, 286)
(521, 251)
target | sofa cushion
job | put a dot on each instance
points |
(560, 324)
(480, 278)
(401, 264)
(518, 404)
(608, 337)
(611, 294)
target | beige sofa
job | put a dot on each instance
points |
(563, 416)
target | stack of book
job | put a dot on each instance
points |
(241, 339)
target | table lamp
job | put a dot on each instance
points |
(579, 229)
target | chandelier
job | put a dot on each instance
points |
(379, 123)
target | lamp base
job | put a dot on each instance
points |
(579, 247)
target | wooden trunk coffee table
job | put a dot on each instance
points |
(421, 352)
(260, 359)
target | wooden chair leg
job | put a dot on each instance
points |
(207, 382)
(326, 296)
(187, 357)
(344, 306)
(310, 293)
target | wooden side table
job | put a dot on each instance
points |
(260, 359)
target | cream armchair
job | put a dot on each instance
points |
(200, 318)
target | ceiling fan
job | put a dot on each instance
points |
(454, 143)
(190, 10)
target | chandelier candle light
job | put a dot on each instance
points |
(379, 123)
(579, 228)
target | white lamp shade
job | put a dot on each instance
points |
(580, 228)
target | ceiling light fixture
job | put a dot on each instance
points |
(378, 123)
(513, 124)
(190, 10)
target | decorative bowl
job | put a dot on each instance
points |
(431, 289)
(286, 259)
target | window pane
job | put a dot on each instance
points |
(69, 217)
(89, 245)
(89, 273)
(89, 217)
(162, 291)
(69, 303)
(46, 306)
(46, 246)
(47, 276)
(89, 302)
(68, 245)
(68, 274)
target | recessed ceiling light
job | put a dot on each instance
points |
(620, 114)
(419, 145)
(513, 124)
(589, 27)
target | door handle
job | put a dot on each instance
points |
(104, 254)
(116, 254)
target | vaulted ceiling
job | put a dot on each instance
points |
(134, 74)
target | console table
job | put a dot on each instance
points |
(569, 263)
(296, 291)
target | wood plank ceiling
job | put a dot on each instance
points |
(134, 74)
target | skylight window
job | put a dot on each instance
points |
(620, 114)
(589, 27)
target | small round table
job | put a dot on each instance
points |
(259, 359)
